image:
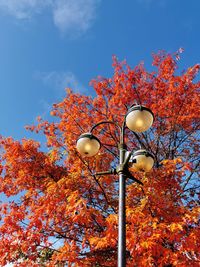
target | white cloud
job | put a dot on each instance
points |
(61, 80)
(73, 17)
(57, 82)
(23, 9)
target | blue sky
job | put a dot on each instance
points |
(47, 45)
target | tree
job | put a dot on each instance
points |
(59, 213)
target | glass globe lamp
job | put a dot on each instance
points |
(139, 118)
(88, 145)
(142, 161)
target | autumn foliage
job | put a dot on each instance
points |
(58, 213)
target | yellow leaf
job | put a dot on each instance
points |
(176, 226)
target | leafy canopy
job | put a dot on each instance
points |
(59, 213)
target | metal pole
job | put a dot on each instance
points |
(122, 211)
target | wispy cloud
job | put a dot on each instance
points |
(57, 82)
(61, 80)
(72, 17)
(23, 9)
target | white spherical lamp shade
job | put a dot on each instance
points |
(139, 119)
(88, 145)
(142, 161)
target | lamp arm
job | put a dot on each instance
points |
(106, 122)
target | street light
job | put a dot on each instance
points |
(138, 119)
(88, 145)
(142, 161)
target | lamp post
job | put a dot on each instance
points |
(138, 119)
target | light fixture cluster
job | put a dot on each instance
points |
(138, 119)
